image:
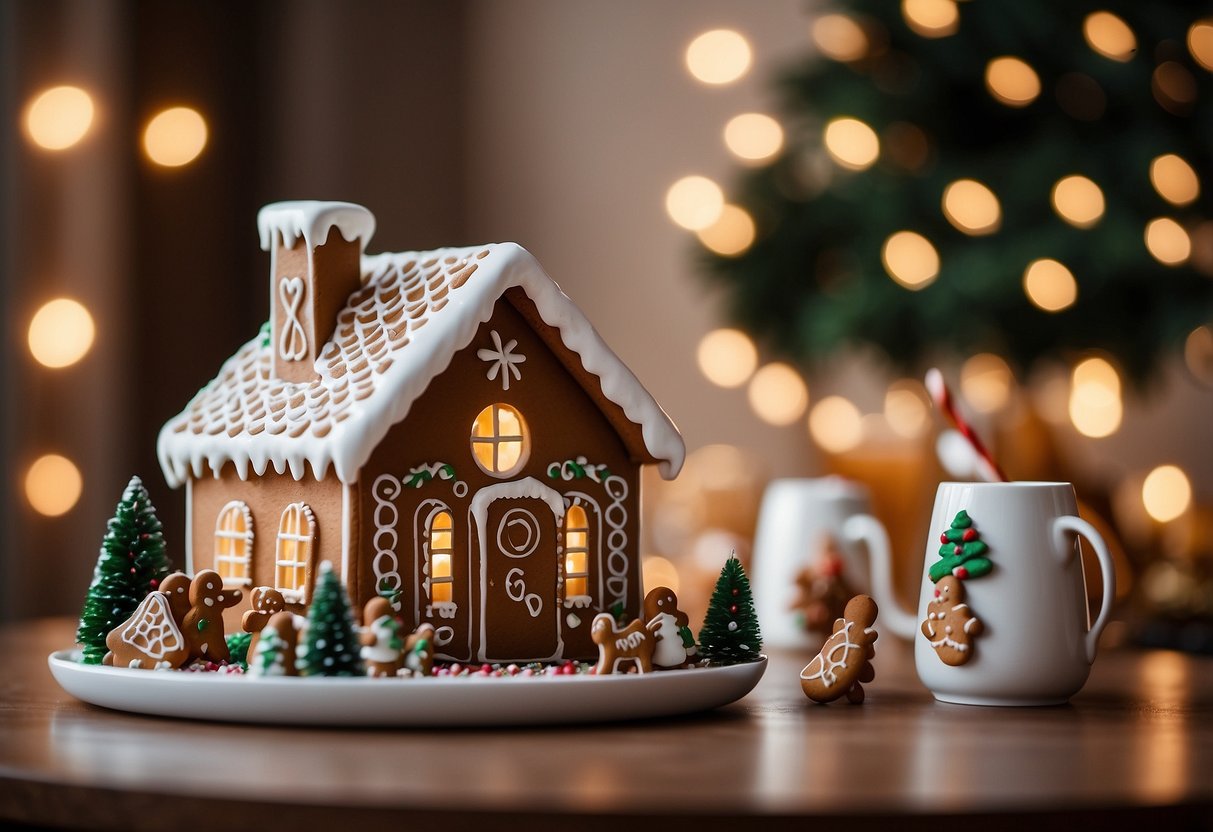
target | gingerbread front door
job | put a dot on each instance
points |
(518, 526)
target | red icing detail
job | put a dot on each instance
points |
(960, 572)
(943, 538)
(969, 535)
(937, 592)
(958, 549)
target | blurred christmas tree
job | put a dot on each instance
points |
(1023, 178)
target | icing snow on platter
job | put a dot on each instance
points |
(426, 702)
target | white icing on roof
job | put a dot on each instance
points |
(413, 313)
(312, 220)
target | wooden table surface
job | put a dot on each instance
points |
(1136, 744)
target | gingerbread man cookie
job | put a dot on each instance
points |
(382, 647)
(275, 655)
(266, 601)
(633, 643)
(675, 644)
(950, 626)
(419, 652)
(845, 659)
(203, 624)
(177, 587)
(150, 639)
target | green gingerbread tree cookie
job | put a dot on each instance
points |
(961, 551)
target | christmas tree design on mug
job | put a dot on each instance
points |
(951, 626)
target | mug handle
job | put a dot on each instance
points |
(1064, 545)
(866, 529)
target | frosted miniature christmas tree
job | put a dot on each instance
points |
(730, 633)
(331, 645)
(269, 659)
(961, 551)
(132, 564)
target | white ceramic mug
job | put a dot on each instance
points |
(796, 517)
(1036, 646)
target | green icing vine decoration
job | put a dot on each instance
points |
(961, 552)
(425, 472)
(579, 468)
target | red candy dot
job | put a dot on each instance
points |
(733, 609)
(970, 535)
(736, 592)
(960, 572)
(958, 549)
(943, 538)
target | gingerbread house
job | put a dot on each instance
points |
(445, 426)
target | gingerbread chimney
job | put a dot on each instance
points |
(315, 265)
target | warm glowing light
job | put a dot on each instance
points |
(971, 207)
(1198, 354)
(931, 18)
(1174, 179)
(1110, 36)
(1200, 43)
(1050, 285)
(851, 143)
(1095, 405)
(731, 234)
(727, 357)
(60, 333)
(53, 485)
(59, 117)
(1166, 493)
(753, 137)
(1012, 82)
(910, 259)
(1174, 87)
(720, 56)
(1168, 242)
(836, 425)
(1078, 201)
(694, 202)
(985, 382)
(174, 137)
(658, 571)
(778, 394)
(839, 37)
(905, 409)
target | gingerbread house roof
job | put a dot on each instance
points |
(415, 310)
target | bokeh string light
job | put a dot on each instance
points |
(777, 394)
(59, 118)
(53, 485)
(719, 57)
(175, 137)
(60, 333)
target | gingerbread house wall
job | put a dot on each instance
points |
(564, 423)
(267, 497)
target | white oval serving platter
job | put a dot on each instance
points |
(429, 702)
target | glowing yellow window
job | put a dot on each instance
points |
(576, 553)
(500, 440)
(234, 544)
(441, 552)
(296, 535)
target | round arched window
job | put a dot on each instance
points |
(501, 442)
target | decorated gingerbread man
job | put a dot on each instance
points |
(203, 624)
(950, 625)
(419, 652)
(275, 653)
(266, 601)
(845, 659)
(668, 624)
(177, 588)
(382, 647)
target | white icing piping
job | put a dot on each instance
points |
(312, 220)
(350, 444)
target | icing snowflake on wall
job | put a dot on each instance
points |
(503, 360)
